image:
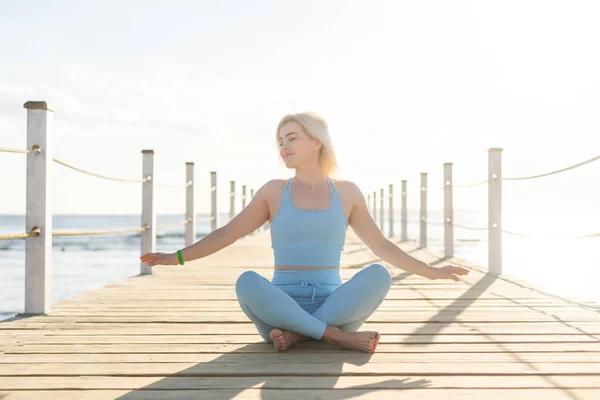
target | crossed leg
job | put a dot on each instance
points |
(276, 315)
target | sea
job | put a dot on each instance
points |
(554, 258)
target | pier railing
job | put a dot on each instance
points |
(39, 233)
(495, 228)
(38, 230)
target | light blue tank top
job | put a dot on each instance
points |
(308, 237)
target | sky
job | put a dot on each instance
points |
(404, 86)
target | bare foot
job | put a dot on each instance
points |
(283, 340)
(361, 341)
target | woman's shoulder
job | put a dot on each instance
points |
(274, 185)
(346, 187)
(343, 183)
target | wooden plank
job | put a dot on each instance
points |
(216, 306)
(304, 347)
(295, 369)
(269, 357)
(254, 338)
(249, 328)
(302, 382)
(382, 316)
(259, 394)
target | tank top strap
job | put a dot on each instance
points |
(331, 185)
(286, 190)
(288, 184)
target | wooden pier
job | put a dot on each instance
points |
(180, 333)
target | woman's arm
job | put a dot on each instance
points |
(367, 230)
(248, 220)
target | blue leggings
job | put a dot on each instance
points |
(306, 301)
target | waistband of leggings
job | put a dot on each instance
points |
(291, 276)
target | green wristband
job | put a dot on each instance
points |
(180, 257)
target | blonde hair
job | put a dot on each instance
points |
(314, 126)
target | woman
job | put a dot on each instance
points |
(309, 216)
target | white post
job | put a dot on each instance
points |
(38, 249)
(190, 209)
(213, 201)
(448, 212)
(369, 202)
(381, 222)
(243, 196)
(375, 206)
(148, 210)
(391, 209)
(495, 211)
(231, 200)
(403, 215)
(423, 231)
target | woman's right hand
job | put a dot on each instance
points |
(151, 259)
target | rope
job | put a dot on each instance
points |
(469, 228)
(525, 177)
(144, 228)
(189, 183)
(553, 172)
(184, 222)
(97, 175)
(529, 236)
(87, 233)
(20, 235)
(552, 237)
(8, 150)
(36, 232)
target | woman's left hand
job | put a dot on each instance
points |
(450, 272)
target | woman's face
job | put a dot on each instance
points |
(295, 146)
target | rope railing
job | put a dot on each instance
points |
(440, 188)
(108, 232)
(36, 231)
(12, 236)
(375, 203)
(9, 150)
(592, 235)
(146, 179)
(39, 213)
(100, 176)
(65, 164)
(553, 172)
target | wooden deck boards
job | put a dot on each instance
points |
(181, 334)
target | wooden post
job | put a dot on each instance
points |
(243, 196)
(448, 212)
(381, 222)
(369, 202)
(148, 209)
(391, 210)
(190, 208)
(423, 231)
(375, 206)
(38, 249)
(495, 211)
(404, 227)
(232, 200)
(213, 201)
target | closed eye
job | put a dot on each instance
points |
(281, 143)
